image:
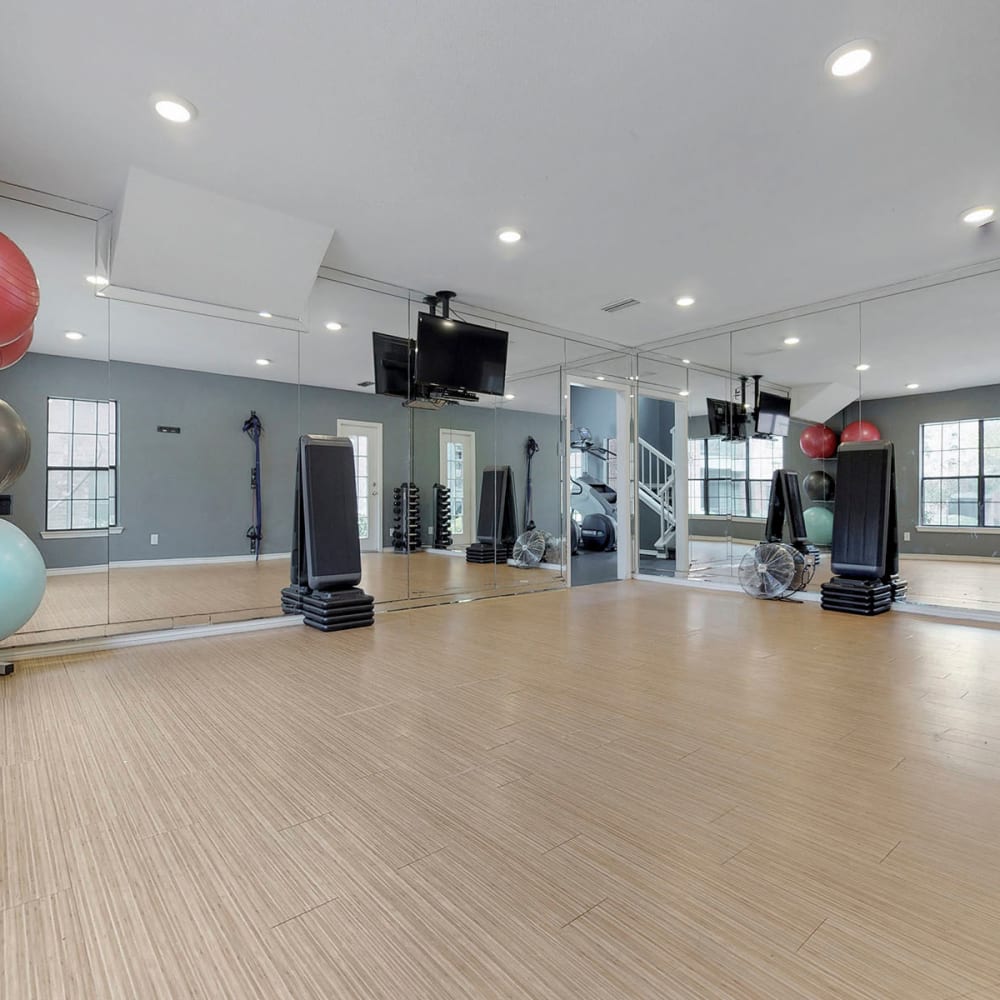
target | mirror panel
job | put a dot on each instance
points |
(60, 391)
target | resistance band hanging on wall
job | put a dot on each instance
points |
(531, 448)
(254, 428)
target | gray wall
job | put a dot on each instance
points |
(193, 489)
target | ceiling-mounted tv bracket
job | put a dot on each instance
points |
(432, 304)
(445, 298)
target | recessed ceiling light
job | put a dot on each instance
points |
(73, 335)
(862, 367)
(508, 395)
(912, 385)
(334, 326)
(600, 378)
(791, 341)
(263, 362)
(509, 236)
(684, 301)
(978, 215)
(685, 392)
(633, 378)
(851, 58)
(264, 315)
(96, 279)
(175, 109)
(685, 361)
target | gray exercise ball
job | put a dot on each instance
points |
(15, 446)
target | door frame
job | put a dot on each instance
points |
(374, 540)
(624, 431)
(469, 505)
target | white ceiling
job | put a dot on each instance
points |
(647, 148)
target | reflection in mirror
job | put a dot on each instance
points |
(192, 392)
(56, 426)
(339, 397)
(933, 389)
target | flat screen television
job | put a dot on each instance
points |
(773, 414)
(393, 365)
(726, 419)
(464, 357)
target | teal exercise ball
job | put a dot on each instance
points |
(819, 525)
(22, 579)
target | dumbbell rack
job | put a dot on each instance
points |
(442, 517)
(406, 518)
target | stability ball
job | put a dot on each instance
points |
(819, 525)
(818, 441)
(22, 579)
(18, 291)
(818, 485)
(860, 430)
(15, 446)
(11, 353)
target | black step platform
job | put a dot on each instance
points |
(856, 596)
(487, 552)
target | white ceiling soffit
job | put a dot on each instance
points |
(818, 403)
(179, 240)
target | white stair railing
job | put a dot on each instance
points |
(656, 490)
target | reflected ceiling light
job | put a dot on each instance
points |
(264, 315)
(685, 392)
(791, 341)
(508, 235)
(508, 395)
(600, 378)
(333, 326)
(979, 215)
(175, 109)
(684, 301)
(263, 362)
(862, 367)
(73, 335)
(851, 58)
(685, 361)
(99, 280)
(912, 385)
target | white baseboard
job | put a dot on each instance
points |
(77, 570)
(153, 563)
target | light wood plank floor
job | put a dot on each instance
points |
(157, 597)
(627, 790)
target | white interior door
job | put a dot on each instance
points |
(367, 441)
(458, 473)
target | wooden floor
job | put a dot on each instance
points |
(126, 599)
(626, 790)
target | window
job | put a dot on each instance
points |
(360, 444)
(455, 481)
(82, 477)
(575, 464)
(732, 477)
(960, 474)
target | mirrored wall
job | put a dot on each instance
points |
(915, 365)
(142, 490)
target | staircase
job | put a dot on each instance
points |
(655, 483)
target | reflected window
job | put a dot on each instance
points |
(960, 474)
(82, 464)
(575, 464)
(360, 443)
(455, 466)
(732, 478)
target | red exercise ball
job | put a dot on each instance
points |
(18, 292)
(13, 352)
(860, 430)
(818, 441)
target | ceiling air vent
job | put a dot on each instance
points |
(613, 307)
